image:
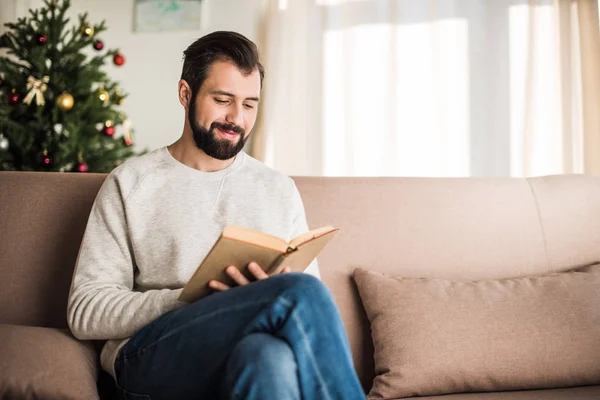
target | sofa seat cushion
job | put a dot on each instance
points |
(435, 336)
(577, 393)
(45, 363)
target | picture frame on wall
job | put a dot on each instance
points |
(167, 15)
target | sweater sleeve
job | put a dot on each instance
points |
(300, 226)
(102, 303)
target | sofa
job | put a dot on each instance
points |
(450, 229)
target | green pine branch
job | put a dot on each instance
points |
(65, 137)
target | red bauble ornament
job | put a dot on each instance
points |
(41, 39)
(13, 98)
(119, 59)
(98, 45)
(128, 142)
(46, 160)
(81, 167)
(109, 130)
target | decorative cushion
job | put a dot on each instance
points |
(45, 363)
(434, 336)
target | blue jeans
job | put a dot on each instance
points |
(278, 338)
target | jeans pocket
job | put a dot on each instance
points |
(121, 381)
(125, 395)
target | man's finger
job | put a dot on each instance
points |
(286, 269)
(257, 271)
(236, 275)
(219, 286)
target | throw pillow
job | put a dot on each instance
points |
(45, 363)
(434, 336)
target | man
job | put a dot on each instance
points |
(155, 219)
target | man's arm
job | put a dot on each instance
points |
(102, 303)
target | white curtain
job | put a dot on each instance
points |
(430, 87)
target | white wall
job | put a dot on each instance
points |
(153, 61)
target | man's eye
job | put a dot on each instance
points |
(221, 101)
(249, 106)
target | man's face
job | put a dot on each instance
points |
(223, 112)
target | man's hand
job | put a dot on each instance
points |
(240, 279)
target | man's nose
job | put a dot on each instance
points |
(235, 115)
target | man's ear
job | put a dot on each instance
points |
(185, 93)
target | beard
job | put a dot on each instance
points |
(209, 141)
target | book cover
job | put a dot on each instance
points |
(239, 246)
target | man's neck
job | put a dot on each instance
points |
(186, 152)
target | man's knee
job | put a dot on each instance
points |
(303, 285)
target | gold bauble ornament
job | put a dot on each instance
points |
(87, 30)
(65, 101)
(103, 95)
(120, 99)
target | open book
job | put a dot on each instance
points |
(239, 246)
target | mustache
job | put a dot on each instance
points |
(227, 127)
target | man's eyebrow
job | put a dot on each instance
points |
(223, 93)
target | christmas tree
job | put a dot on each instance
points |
(59, 110)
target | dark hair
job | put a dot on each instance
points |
(219, 46)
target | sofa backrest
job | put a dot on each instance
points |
(465, 229)
(42, 219)
(453, 228)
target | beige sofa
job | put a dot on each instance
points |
(460, 229)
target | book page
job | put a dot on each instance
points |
(306, 252)
(255, 237)
(305, 237)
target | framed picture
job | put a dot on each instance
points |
(167, 15)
